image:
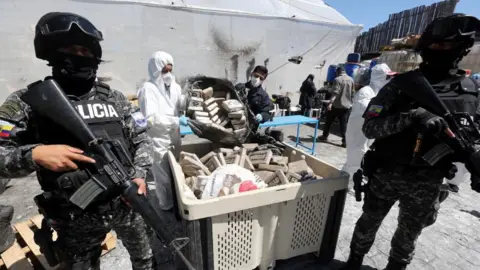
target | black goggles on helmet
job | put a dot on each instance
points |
(63, 24)
(451, 28)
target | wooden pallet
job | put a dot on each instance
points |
(25, 253)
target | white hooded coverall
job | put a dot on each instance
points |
(161, 106)
(357, 143)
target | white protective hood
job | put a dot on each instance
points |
(357, 143)
(161, 108)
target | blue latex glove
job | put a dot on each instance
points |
(183, 120)
(259, 118)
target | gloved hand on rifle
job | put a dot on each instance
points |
(427, 122)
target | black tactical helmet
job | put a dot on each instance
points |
(55, 30)
(455, 28)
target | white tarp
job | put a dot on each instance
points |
(225, 42)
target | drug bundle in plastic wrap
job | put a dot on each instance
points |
(226, 171)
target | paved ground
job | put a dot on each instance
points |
(452, 243)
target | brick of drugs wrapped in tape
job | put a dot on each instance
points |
(237, 127)
(232, 105)
(209, 102)
(279, 160)
(200, 114)
(240, 132)
(261, 157)
(250, 146)
(196, 93)
(184, 154)
(190, 167)
(241, 121)
(224, 121)
(215, 118)
(219, 101)
(224, 151)
(293, 177)
(264, 174)
(278, 178)
(214, 112)
(273, 168)
(195, 104)
(299, 167)
(243, 157)
(207, 93)
(213, 163)
(221, 158)
(205, 120)
(211, 107)
(248, 164)
(207, 156)
(236, 115)
(232, 159)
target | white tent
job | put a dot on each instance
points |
(221, 38)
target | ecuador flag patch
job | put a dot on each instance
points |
(374, 110)
(5, 129)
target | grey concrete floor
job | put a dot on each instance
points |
(453, 242)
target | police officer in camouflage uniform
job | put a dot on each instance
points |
(70, 44)
(394, 120)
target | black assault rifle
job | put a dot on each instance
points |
(48, 99)
(459, 139)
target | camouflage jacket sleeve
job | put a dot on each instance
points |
(136, 126)
(15, 149)
(386, 115)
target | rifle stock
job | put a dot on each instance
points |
(48, 99)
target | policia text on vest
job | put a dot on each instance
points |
(96, 109)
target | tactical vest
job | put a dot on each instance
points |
(461, 97)
(103, 117)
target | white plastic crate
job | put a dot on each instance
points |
(256, 228)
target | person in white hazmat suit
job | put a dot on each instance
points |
(357, 143)
(160, 100)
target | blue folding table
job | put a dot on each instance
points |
(281, 121)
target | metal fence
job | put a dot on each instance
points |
(412, 21)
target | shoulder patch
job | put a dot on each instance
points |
(5, 129)
(374, 110)
(140, 120)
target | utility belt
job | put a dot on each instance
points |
(374, 162)
(55, 206)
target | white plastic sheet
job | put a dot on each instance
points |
(221, 43)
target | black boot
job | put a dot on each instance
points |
(393, 265)
(354, 262)
(7, 236)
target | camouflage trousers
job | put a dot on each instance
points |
(418, 195)
(81, 239)
(165, 258)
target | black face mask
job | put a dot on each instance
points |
(439, 65)
(75, 74)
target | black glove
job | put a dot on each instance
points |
(450, 173)
(427, 122)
